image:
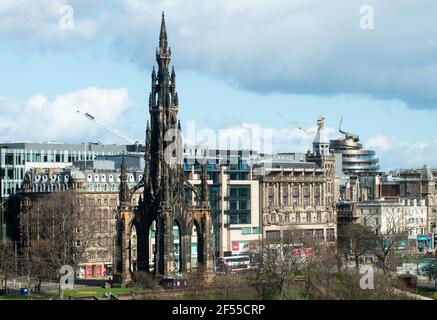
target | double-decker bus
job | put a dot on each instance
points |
(233, 264)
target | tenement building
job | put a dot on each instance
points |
(98, 186)
(397, 218)
(18, 158)
(298, 199)
(414, 184)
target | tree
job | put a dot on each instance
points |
(58, 229)
(143, 280)
(235, 287)
(361, 240)
(277, 266)
(7, 261)
(390, 227)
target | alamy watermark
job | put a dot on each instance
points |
(367, 281)
(67, 277)
(227, 142)
(367, 20)
(66, 21)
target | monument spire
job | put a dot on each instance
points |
(163, 43)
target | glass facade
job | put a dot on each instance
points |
(239, 204)
(17, 158)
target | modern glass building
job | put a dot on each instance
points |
(18, 158)
(355, 160)
(234, 197)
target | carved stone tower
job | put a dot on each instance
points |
(164, 186)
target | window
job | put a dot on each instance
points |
(319, 217)
(287, 218)
(284, 196)
(239, 204)
(9, 159)
(273, 235)
(298, 217)
(245, 231)
(317, 191)
(330, 235)
(308, 217)
(295, 201)
(255, 230)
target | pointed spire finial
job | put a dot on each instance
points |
(123, 164)
(163, 33)
(124, 188)
(204, 192)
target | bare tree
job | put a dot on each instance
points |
(235, 287)
(390, 228)
(197, 284)
(346, 286)
(276, 268)
(359, 239)
(58, 229)
(7, 261)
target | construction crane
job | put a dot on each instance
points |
(112, 130)
(295, 124)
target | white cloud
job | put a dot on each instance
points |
(380, 142)
(39, 119)
(292, 46)
(394, 153)
(37, 24)
(255, 137)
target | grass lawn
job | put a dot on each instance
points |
(427, 293)
(13, 297)
(98, 292)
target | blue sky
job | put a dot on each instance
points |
(238, 63)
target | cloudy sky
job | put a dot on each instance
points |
(238, 64)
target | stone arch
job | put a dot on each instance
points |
(179, 245)
(195, 232)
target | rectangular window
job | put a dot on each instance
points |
(287, 217)
(308, 217)
(9, 159)
(319, 234)
(307, 191)
(298, 217)
(273, 235)
(255, 230)
(239, 204)
(317, 191)
(319, 217)
(245, 231)
(330, 235)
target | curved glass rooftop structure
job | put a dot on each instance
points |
(355, 160)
